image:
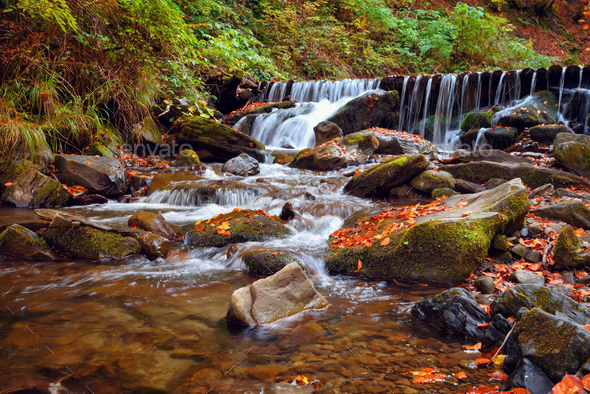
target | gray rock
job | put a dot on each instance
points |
(529, 376)
(572, 151)
(100, 175)
(572, 212)
(35, 190)
(532, 111)
(326, 131)
(527, 278)
(393, 142)
(242, 165)
(526, 253)
(281, 295)
(443, 192)
(429, 180)
(495, 182)
(467, 187)
(546, 134)
(542, 190)
(485, 284)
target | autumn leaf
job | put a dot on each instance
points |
(566, 387)
(274, 253)
(586, 382)
(585, 27)
(89, 163)
(360, 265)
(483, 324)
(385, 242)
(200, 228)
(483, 390)
(8, 184)
(466, 213)
(437, 377)
(461, 375)
(477, 346)
(482, 361)
(498, 375)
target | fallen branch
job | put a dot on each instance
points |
(502, 345)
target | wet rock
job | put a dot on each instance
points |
(140, 182)
(283, 294)
(555, 343)
(477, 120)
(393, 142)
(567, 251)
(496, 332)
(429, 180)
(532, 111)
(18, 241)
(152, 245)
(153, 222)
(64, 219)
(351, 150)
(494, 156)
(573, 152)
(35, 190)
(453, 311)
(500, 242)
(266, 263)
(187, 157)
(403, 191)
(527, 278)
(375, 109)
(326, 131)
(380, 179)
(546, 134)
(283, 156)
(572, 212)
(560, 193)
(441, 248)
(443, 192)
(309, 196)
(89, 199)
(466, 187)
(485, 284)
(287, 213)
(526, 253)
(222, 142)
(500, 137)
(542, 190)
(100, 175)
(242, 226)
(242, 165)
(537, 296)
(530, 377)
(232, 120)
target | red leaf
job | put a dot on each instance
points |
(498, 375)
(360, 265)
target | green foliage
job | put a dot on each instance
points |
(49, 11)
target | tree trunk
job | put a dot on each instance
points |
(544, 6)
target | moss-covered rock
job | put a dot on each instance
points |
(573, 152)
(222, 141)
(266, 263)
(381, 178)
(376, 109)
(501, 243)
(90, 243)
(97, 148)
(100, 175)
(477, 120)
(532, 111)
(441, 248)
(236, 227)
(443, 192)
(235, 118)
(500, 137)
(567, 252)
(188, 157)
(546, 134)
(393, 142)
(18, 241)
(429, 180)
(34, 190)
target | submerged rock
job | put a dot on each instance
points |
(381, 178)
(242, 165)
(326, 131)
(281, 295)
(531, 377)
(429, 180)
(100, 175)
(153, 222)
(35, 190)
(573, 152)
(236, 227)
(440, 248)
(546, 134)
(266, 263)
(18, 241)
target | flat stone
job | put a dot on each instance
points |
(527, 278)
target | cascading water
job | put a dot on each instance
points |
(316, 91)
(533, 83)
(403, 104)
(499, 91)
(561, 82)
(426, 106)
(444, 108)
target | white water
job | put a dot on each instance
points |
(444, 108)
(316, 91)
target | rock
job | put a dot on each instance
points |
(443, 192)
(500, 242)
(537, 296)
(441, 248)
(527, 278)
(546, 134)
(152, 222)
(91, 243)
(283, 294)
(287, 213)
(495, 182)
(351, 150)
(187, 157)
(572, 212)
(573, 152)
(532, 111)
(531, 176)
(97, 148)
(454, 312)
(242, 165)
(374, 109)
(560, 193)
(496, 332)
(567, 251)
(500, 137)
(556, 344)
(100, 175)
(152, 245)
(244, 226)
(326, 131)
(485, 284)
(542, 190)
(35, 190)
(526, 253)
(381, 178)
(494, 155)
(403, 191)
(477, 120)
(530, 377)
(429, 180)
(18, 241)
(268, 108)
(89, 199)
(468, 187)
(393, 142)
(266, 263)
(222, 142)
(67, 220)
(140, 182)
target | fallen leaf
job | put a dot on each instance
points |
(274, 253)
(498, 375)
(482, 361)
(477, 346)
(566, 387)
(360, 265)
(483, 324)
(89, 163)
(8, 184)
(385, 242)
(460, 375)
(483, 390)
(586, 382)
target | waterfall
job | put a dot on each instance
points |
(587, 112)
(463, 96)
(480, 140)
(533, 82)
(478, 94)
(414, 108)
(580, 83)
(316, 91)
(517, 87)
(403, 105)
(426, 106)
(198, 196)
(499, 90)
(490, 90)
(444, 108)
(561, 82)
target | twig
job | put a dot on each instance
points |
(502, 345)
(545, 253)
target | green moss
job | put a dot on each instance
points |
(443, 192)
(19, 235)
(89, 242)
(188, 156)
(567, 247)
(399, 161)
(477, 120)
(196, 128)
(53, 195)
(265, 263)
(501, 243)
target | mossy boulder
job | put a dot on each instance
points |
(381, 178)
(532, 111)
(375, 109)
(477, 120)
(443, 192)
(546, 134)
(236, 227)
(188, 157)
(500, 137)
(100, 175)
(266, 263)
(570, 211)
(429, 180)
(441, 248)
(221, 141)
(353, 149)
(393, 142)
(573, 152)
(91, 243)
(35, 190)
(97, 148)
(567, 251)
(18, 241)
(500, 242)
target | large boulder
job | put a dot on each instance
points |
(531, 111)
(326, 131)
(266, 263)
(393, 142)
(531, 377)
(236, 227)
(375, 109)
(35, 190)
(573, 152)
(570, 211)
(18, 241)
(454, 312)
(436, 248)
(381, 178)
(222, 142)
(152, 245)
(477, 120)
(281, 295)
(152, 222)
(100, 175)
(333, 155)
(500, 137)
(427, 181)
(567, 251)
(242, 165)
(546, 134)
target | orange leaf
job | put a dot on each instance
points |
(483, 390)
(89, 163)
(385, 242)
(477, 346)
(461, 375)
(566, 387)
(238, 220)
(483, 324)
(251, 144)
(200, 228)
(482, 361)
(586, 382)
(8, 184)
(486, 308)
(585, 27)
(274, 253)
(437, 377)
(498, 375)
(360, 265)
